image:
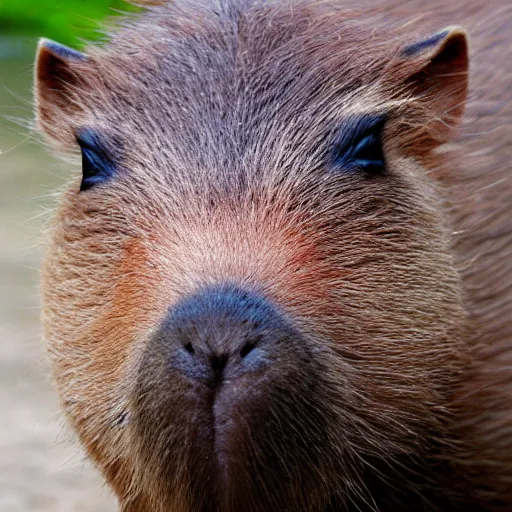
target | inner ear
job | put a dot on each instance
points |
(452, 56)
(445, 75)
(439, 81)
(57, 76)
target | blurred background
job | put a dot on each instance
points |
(41, 466)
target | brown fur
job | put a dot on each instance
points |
(220, 115)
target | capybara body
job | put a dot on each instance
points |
(283, 278)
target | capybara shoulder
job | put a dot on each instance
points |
(282, 279)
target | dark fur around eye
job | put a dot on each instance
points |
(358, 145)
(97, 164)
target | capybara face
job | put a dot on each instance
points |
(249, 296)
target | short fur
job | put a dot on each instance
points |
(221, 114)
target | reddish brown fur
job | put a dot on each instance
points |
(404, 283)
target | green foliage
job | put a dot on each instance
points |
(67, 21)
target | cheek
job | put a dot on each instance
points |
(95, 322)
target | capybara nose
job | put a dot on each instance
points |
(228, 391)
(220, 333)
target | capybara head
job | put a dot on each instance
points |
(250, 299)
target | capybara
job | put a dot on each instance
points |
(282, 279)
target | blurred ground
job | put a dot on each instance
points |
(41, 467)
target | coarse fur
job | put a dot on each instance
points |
(219, 116)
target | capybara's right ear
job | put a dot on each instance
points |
(436, 71)
(57, 76)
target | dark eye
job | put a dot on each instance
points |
(97, 164)
(358, 145)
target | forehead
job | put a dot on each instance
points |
(216, 78)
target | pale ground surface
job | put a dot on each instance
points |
(41, 468)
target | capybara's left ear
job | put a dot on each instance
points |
(436, 72)
(57, 78)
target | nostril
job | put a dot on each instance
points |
(189, 348)
(247, 348)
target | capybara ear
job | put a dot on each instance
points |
(57, 75)
(436, 72)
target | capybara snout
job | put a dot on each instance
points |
(223, 384)
(222, 334)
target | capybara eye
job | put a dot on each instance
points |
(97, 164)
(358, 145)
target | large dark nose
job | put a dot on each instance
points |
(223, 332)
(228, 403)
